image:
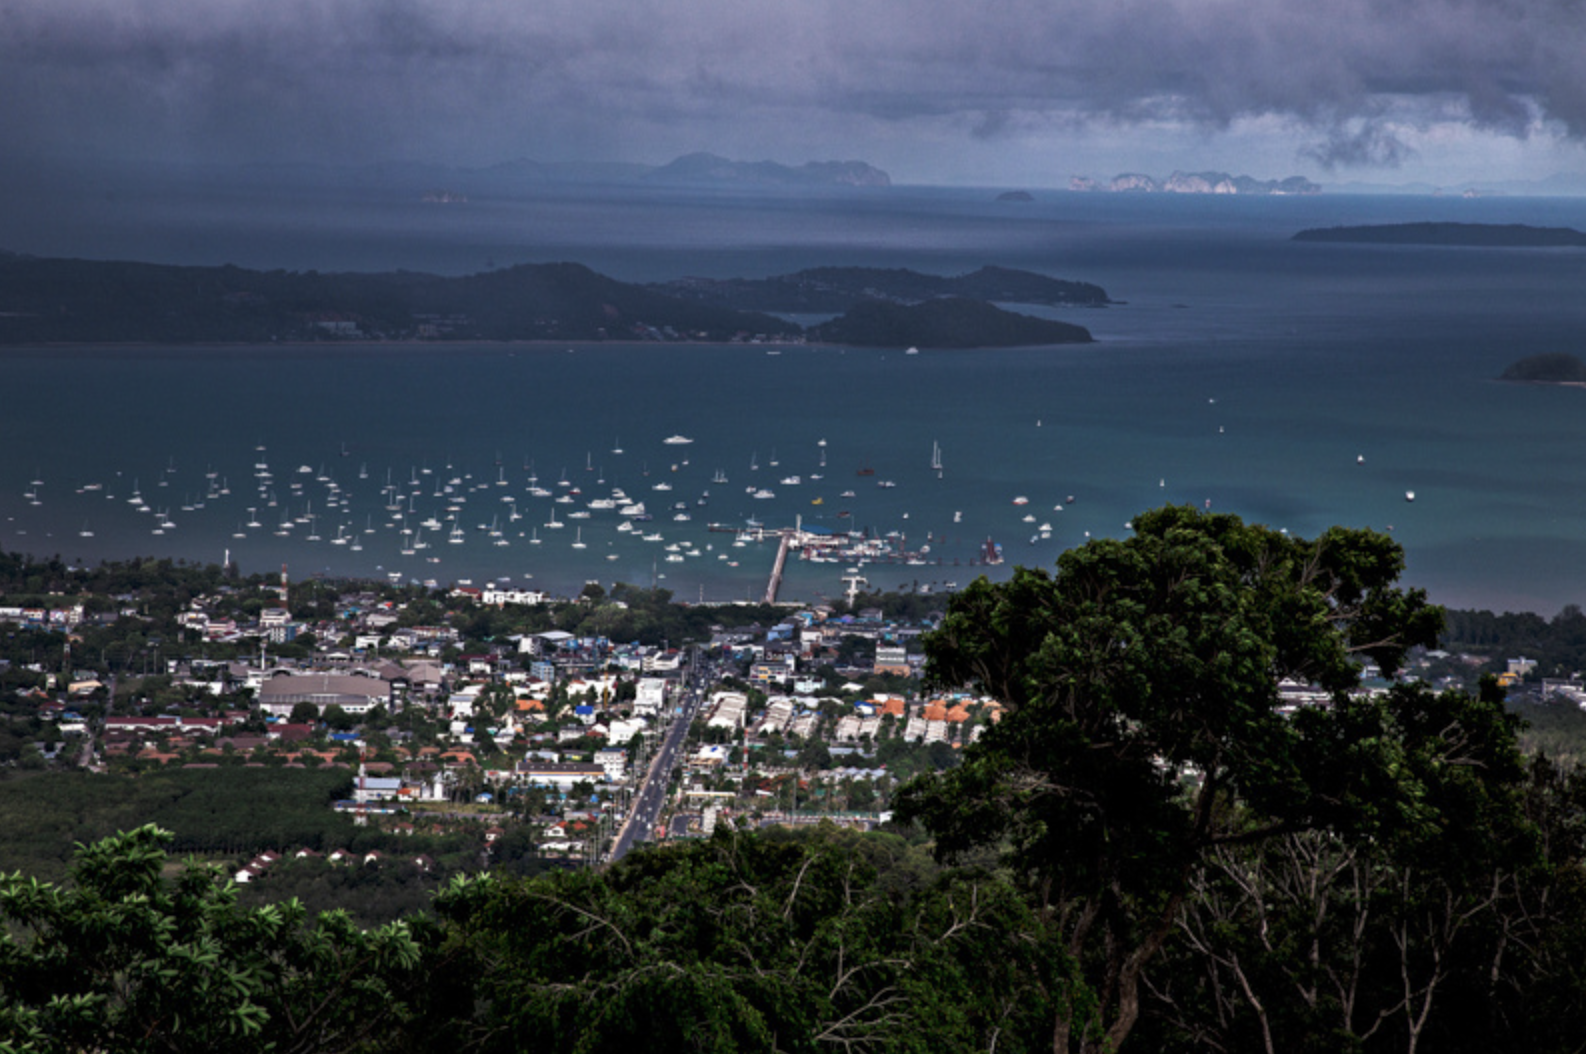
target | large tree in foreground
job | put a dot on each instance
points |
(1143, 731)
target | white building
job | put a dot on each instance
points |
(651, 697)
(615, 762)
(728, 710)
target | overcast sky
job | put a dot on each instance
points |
(1001, 93)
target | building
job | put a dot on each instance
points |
(353, 693)
(559, 775)
(892, 659)
(650, 695)
(614, 761)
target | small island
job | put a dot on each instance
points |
(947, 322)
(1478, 235)
(1555, 367)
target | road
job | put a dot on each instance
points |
(651, 795)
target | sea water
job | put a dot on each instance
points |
(1298, 385)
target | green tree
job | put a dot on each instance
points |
(1143, 729)
(748, 942)
(124, 959)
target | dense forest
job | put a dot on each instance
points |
(1146, 853)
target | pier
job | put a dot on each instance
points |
(776, 569)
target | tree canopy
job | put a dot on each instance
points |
(1144, 730)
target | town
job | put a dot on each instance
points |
(463, 728)
(467, 715)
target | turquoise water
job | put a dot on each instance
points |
(1297, 385)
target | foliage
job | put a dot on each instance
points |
(1143, 729)
(745, 942)
(227, 810)
(1558, 645)
(127, 960)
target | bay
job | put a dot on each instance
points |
(1297, 385)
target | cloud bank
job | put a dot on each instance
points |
(479, 80)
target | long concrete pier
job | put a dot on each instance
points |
(776, 569)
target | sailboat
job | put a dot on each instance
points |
(578, 540)
(936, 458)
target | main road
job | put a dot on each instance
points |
(651, 796)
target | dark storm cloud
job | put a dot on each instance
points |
(1369, 145)
(229, 78)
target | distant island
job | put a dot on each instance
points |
(1555, 367)
(1195, 183)
(1490, 235)
(710, 169)
(1020, 196)
(54, 301)
(829, 290)
(949, 322)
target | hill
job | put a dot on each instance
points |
(1551, 368)
(949, 322)
(64, 301)
(828, 290)
(49, 301)
(711, 169)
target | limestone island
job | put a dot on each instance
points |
(1554, 367)
(1480, 235)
